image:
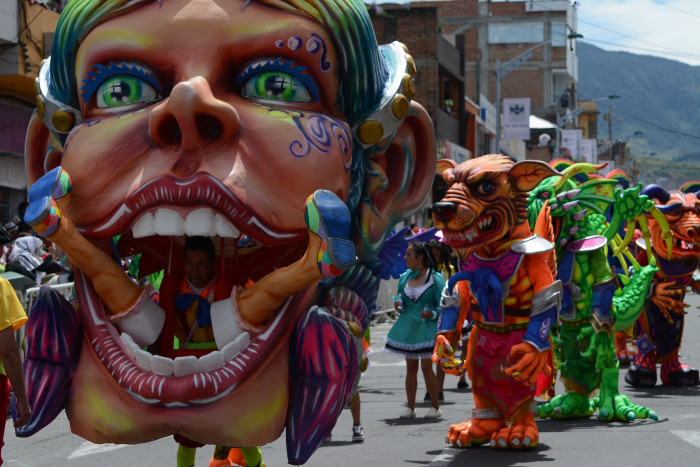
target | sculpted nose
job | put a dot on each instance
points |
(192, 117)
(444, 211)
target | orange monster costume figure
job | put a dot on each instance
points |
(506, 284)
(278, 128)
(660, 326)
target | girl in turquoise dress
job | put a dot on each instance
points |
(413, 334)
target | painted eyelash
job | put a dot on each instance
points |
(91, 84)
(277, 64)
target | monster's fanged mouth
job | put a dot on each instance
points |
(685, 245)
(160, 215)
(480, 230)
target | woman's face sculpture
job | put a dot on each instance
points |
(215, 118)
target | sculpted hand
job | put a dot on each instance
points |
(443, 355)
(532, 363)
(666, 296)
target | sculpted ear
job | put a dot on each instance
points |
(526, 175)
(445, 169)
(42, 151)
(397, 182)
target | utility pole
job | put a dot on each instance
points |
(609, 117)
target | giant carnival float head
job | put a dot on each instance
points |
(246, 121)
(681, 208)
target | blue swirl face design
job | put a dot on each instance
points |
(120, 85)
(276, 79)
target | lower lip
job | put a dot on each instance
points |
(195, 389)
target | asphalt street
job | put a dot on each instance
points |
(391, 441)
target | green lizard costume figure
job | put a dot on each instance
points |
(596, 303)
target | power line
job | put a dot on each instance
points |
(684, 55)
(651, 124)
(679, 52)
(657, 126)
(677, 9)
(637, 39)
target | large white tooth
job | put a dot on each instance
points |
(143, 226)
(200, 222)
(129, 345)
(168, 222)
(162, 365)
(232, 349)
(185, 365)
(143, 359)
(211, 361)
(224, 228)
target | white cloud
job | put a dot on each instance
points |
(669, 29)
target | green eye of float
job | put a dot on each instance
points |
(120, 90)
(276, 84)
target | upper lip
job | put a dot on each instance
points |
(200, 189)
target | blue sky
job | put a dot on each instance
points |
(665, 28)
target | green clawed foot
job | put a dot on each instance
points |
(621, 408)
(567, 405)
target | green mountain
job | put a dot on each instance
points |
(659, 97)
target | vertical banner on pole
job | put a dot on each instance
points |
(571, 140)
(589, 151)
(516, 119)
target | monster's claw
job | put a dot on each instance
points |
(653, 415)
(567, 405)
(43, 213)
(329, 218)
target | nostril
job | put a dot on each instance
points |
(169, 131)
(209, 128)
(445, 210)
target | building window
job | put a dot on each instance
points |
(560, 85)
(516, 33)
(559, 35)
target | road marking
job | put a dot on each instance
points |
(692, 437)
(88, 449)
(444, 458)
(371, 363)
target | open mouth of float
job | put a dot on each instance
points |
(484, 228)
(154, 222)
(684, 246)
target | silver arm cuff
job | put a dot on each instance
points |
(547, 298)
(447, 300)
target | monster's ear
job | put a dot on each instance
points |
(526, 175)
(42, 151)
(397, 182)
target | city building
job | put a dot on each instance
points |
(530, 45)
(26, 35)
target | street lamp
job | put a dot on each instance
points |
(566, 118)
(504, 70)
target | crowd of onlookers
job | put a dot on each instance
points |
(29, 255)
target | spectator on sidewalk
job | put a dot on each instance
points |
(413, 333)
(12, 317)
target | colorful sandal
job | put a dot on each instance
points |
(329, 218)
(43, 213)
